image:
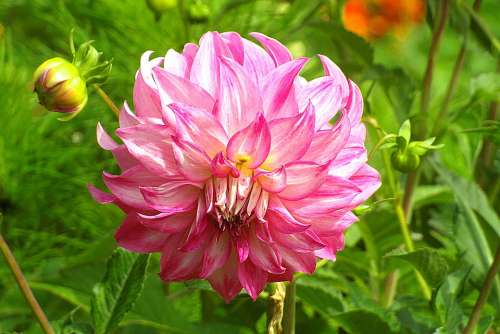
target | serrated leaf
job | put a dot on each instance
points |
(362, 322)
(115, 295)
(428, 262)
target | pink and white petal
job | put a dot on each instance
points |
(104, 139)
(234, 42)
(298, 262)
(200, 230)
(348, 161)
(367, 179)
(261, 206)
(168, 223)
(189, 52)
(192, 162)
(239, 100)
(330, 223)
(205, 68)
(150, 144)
(326, 144)
(200, 127)
(303, 178)
(250, 146)
(179, 266)
(278, 52)
(217, 252)
(252, 278)
(225, 280)
(278, 90)
(299, 242)
(122, 155)
(264, 255)
(175, 196)
(135, 237)
(291, 137)
(282, 221)
(325, 96)
(256, 62)
(127, 118)
(254, 198)
(332, 70)
(354, 106)
(175, 63)
(221, 167)
(334, 244)
(146, 99)
(126, 186)
(100, 196)
(274, 181)
(242, 248)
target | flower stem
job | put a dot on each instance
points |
(483, 295)
(289, 309)
(24, 286)
(112, 106)
(275, 308)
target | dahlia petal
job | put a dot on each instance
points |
(254, 198)
(367, 179)
(104, 139)
(127, 118)
(216, 254)
(173, 88)
(298, 262)
(252, 278)
(303, 178)
(175, 196)
(192, 162)
(278, 92)
(189, 52)
(146, 100)
(100, 196)
(195, 236)
(167, 223)
(200, 127)
(221, 167)
(209, 195)
(221, 191)
(300, 242)
(250, 146)
(175, 63)
(225, 280)
(291, 137)
(274, 181)
(282, 221)
(126, 186)
(150, 145)
(348, 161)
(334, 244)
(122, 155)
(324, 95)
(239, 101)
(256, 62)
(234, 43)
(135, 237)
(179, 266)
(354, 106)
(262, 204)
(278, 52)
(205, 68)
(242, 248)
(326, 144)
(332, 70)
(264, 256)
(330, 223)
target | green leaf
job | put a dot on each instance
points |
(362, 322)
(115, 295)
(321, 294)
(428, 262)
(405, 130)
(72, 296)
(485, 87)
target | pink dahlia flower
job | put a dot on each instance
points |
(231, 166)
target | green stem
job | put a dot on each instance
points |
(371, 249)
(289, 309)
(275, 308)
(24, 287)
(112, 106)
(483, 295)
(391, 283)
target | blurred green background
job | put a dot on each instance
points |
(62, 238)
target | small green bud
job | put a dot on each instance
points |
(198, 11)
(405, 161)
(59, 86)
(158, 7)
(362, 209)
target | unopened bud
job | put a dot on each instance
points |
(405, 161)
(158, 7)
(198, 11)
(59, 86)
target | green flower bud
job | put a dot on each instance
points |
(405, 161)
(59, 86)
(198, 11)
(158, 7)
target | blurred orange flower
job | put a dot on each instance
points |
(372, 19)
